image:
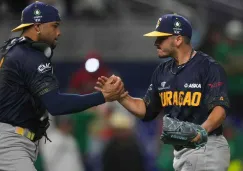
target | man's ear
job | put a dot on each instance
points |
(178, 40)
(37, 28)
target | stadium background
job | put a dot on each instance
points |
(106, 137)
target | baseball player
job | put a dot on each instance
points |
(29, 88)
(191, 90)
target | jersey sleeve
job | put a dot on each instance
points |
(152, 100)
(216, 89)
(38, 75)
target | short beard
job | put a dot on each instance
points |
(165, 56)
(171, 52)
(53, 46)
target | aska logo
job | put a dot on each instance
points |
(193, 85)
(214, 85)
(44, 67)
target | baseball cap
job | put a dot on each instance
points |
(37, 12)
(171, 24)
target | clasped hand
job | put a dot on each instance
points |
(112, 88)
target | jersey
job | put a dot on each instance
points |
(188, 92)
(25, 74)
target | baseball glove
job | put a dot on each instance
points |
(180, 133)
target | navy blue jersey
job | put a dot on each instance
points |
(188, 92)
(25, 74)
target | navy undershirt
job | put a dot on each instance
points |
(58, 103)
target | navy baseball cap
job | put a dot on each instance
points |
(37, 12)
(171, 24)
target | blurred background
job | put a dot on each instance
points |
(104, 37)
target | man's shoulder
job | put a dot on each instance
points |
(24, 51)
(207, 60)
(164, 64)
(162, 67)
(209, 63)
(22, 54)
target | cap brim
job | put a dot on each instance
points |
(157, 34)
(20, 27)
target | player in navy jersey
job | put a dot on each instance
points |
(191, 87)
(29, 89)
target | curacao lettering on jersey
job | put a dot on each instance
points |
(180, 98)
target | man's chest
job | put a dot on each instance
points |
(182, 89)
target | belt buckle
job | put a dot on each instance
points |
(25, 132)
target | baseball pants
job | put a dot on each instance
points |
(215, 156)
(17, 153)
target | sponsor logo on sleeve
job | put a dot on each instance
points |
(44, 67)
(215, 85)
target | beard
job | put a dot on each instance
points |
(164, 56)
(53, 46)
(165, 53)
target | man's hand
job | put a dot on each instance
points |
(136, 106)
(183, 134)
(112, 88)
(197, 138)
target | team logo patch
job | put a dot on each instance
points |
(37, 16)
(37, 12)
(177, 27)
(22, 16)
(158, 23)
(44, 67)
(177, 24)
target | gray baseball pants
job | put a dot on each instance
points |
(17, 153)
(215, 156)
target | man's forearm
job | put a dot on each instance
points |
(215, 119)
(134, 105)
(62, 104)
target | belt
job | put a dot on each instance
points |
(215, 134)
(25, 132)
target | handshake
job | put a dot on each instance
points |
(112, 88)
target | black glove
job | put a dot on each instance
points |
(44, 125)
(180, 133)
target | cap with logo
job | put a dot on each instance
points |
(37, 12)
(171, 24)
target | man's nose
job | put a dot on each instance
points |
(59, 33)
